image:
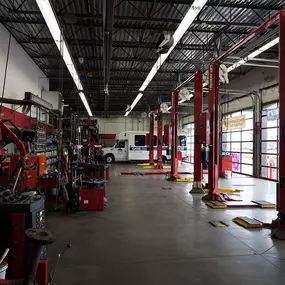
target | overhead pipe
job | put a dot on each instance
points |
(108, 19)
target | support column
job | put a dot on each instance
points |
(198, 109)
(151, 138)
(174, 125)
(280, 231)
(159, 140)
(214, 109)
(257, 134)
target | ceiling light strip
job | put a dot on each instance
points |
(192, 13)
(52, 23)
(254, 54)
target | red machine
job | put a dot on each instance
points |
(226, 165)
(20, 171)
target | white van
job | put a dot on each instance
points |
(132, 146)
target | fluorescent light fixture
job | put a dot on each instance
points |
(254, 54)
(134, 104)
(55, 31)
(192, 13)
(83, 98)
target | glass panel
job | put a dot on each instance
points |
(226, 146)
(139, 140)
(247, 169)
(247, 158)
(236, 157)
(270, 124)
(236, 161)
(268, 172)
(247, 136)
(270, 134)
(247, 147)
(248, 114)
(248, 124)
(226, 137)
(120, 144)
(236, 136)
(182, 140)
(235, 147)
(269, 147)
(236, 114)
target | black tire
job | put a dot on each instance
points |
(109, 158)
(164, 159)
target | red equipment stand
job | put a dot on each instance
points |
(174, 126)
(151, 138)
(159, 139)
(198, 109)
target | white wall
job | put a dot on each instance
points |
(121, 124)
(23, 74)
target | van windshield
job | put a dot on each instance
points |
(120, 144)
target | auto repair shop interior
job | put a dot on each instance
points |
(141, 142)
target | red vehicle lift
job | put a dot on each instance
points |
(151, 138)
(159, 164)
(174, 126)
(214, 103)
(198, 109)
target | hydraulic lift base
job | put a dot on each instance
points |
(240, 204)
(247, 222)
(145, 164)
(226, 190)
(155, 166)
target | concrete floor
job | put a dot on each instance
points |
(154, 236)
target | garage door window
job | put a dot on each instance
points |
(239, 143)
(270, 141)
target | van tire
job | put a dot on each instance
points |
(109, 158)
(164, 159)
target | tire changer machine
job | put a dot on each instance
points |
(20, 211)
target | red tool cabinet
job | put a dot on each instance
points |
(91, 199)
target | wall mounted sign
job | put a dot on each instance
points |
(273, 114)
(233, 123)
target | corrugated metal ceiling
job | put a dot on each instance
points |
(137, 26)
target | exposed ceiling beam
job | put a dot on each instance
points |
(84, 70)
(116, 44)
(125, 18)
(131, 59)
(140, 26)
(228, 4)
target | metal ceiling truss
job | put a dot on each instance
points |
(134, 44)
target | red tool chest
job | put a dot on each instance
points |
(91, 199)
(226, 164)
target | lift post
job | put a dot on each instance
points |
(159, 139)
(174, 126)
(279, 232)
(198, 109)
(214, 109)
(151, 138)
